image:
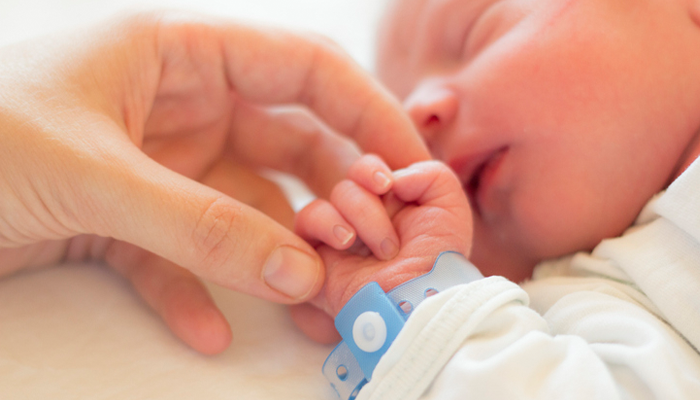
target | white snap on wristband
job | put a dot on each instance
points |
(369, 331)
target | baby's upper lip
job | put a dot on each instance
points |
(469, 168)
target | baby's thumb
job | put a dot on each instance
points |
(206, 232)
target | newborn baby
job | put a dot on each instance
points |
(561, 120)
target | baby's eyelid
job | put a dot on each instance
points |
(478, 32)
(468, 31)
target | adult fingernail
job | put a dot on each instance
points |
(389, 248)
(343, 234)
(381, 179)
(291, 271)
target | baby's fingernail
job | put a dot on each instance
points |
(382, 180)
(343, 234)
(389, 248)
(291, 271)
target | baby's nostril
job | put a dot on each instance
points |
(432, 120)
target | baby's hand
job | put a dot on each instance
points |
(403, 221)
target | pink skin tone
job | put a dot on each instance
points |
(561, 118)
(421, 209)
(138, 143)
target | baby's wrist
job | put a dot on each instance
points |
(370, 321)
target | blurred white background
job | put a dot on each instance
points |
(351, 23)
(79, 331)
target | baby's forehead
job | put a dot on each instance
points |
(403, 13)
(399, 22)
(406, 20)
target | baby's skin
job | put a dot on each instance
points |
(562, 118)
(382, 226)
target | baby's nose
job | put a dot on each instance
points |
(433, 109)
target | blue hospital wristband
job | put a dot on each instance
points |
(371, 320)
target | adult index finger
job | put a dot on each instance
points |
(278, 67)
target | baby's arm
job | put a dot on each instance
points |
(404, 220)
(586, 337)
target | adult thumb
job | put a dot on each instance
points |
(214, 236)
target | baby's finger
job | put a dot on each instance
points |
(365, 211)
(429, 182)
(320, 221)
(372, 173)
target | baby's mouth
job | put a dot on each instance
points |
(475, 174)
(472, 185)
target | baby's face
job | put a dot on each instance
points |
(561, 117)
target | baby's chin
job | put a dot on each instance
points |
(502, 261)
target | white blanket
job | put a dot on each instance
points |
(80, 332)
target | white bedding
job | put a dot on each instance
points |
(80, 332)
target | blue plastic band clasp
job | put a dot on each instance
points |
(371, 320)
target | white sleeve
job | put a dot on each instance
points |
(482, 341)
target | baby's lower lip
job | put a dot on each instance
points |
(477, 188)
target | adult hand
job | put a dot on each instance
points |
(125, 142)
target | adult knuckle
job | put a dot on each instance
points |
(215, 232)
(322, 54)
